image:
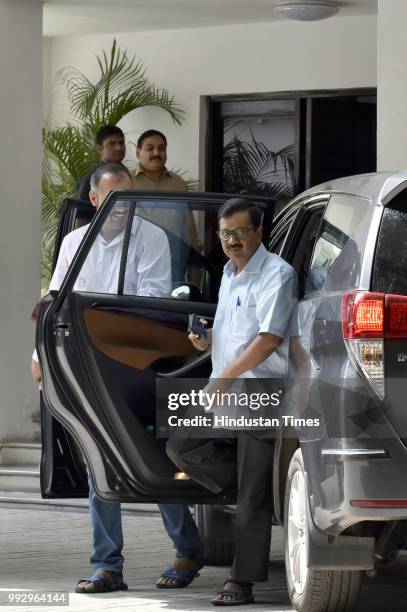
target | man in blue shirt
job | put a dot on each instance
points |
(255, 317)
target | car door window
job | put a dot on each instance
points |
(155, 248)
(390, 262)
(302, 249)
(335, 260)
(72, 215)
(278, 238)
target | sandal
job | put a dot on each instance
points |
(182, 578)
(238, 598)
(102, 581)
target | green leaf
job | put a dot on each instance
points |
(122, 87)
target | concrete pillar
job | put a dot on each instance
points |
(391, 85)
(20, 208)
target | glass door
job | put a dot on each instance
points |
(259, 148)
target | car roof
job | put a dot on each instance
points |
(379, 187)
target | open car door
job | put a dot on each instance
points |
(117, 325)
(62, 468)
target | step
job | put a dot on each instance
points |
(20, 453)
(34, 500)
(20, 478)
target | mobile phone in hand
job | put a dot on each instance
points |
(196, 327)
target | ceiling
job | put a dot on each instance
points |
(70, 17)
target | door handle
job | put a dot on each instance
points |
(61, 328)
(191, 363)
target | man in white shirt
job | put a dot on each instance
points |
(255, 317)
(148, 266)
(148, 273)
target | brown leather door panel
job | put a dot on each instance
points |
(135, 341)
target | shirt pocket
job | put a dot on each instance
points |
(244, 322)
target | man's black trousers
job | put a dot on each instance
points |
(247, 461)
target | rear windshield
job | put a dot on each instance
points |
(390, 266)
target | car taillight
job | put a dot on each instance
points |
(363, 332)
(362, 315)
(367, 320)
(396, 316)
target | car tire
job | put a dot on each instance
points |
(311, 590)
(216, 525)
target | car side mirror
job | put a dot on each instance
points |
(186, 291)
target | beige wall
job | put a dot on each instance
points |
(47, 78)
(392, 85)
(336, 53)
(20, 202)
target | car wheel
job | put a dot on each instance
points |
(216, 528)
(311, 590)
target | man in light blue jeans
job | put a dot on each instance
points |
(107, 559)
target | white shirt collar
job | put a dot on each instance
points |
(254, 264)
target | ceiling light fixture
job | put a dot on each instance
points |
(308, 10)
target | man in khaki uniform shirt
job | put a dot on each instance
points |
(151, 174)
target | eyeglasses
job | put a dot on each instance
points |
(238, 233)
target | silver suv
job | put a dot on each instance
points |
(340, 490)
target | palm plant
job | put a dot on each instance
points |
(69, 151)
(251, 168)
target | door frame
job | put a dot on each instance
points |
(210, 143)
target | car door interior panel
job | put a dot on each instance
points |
(134, 341)
(123, 417)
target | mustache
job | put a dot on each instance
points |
(155, 158)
